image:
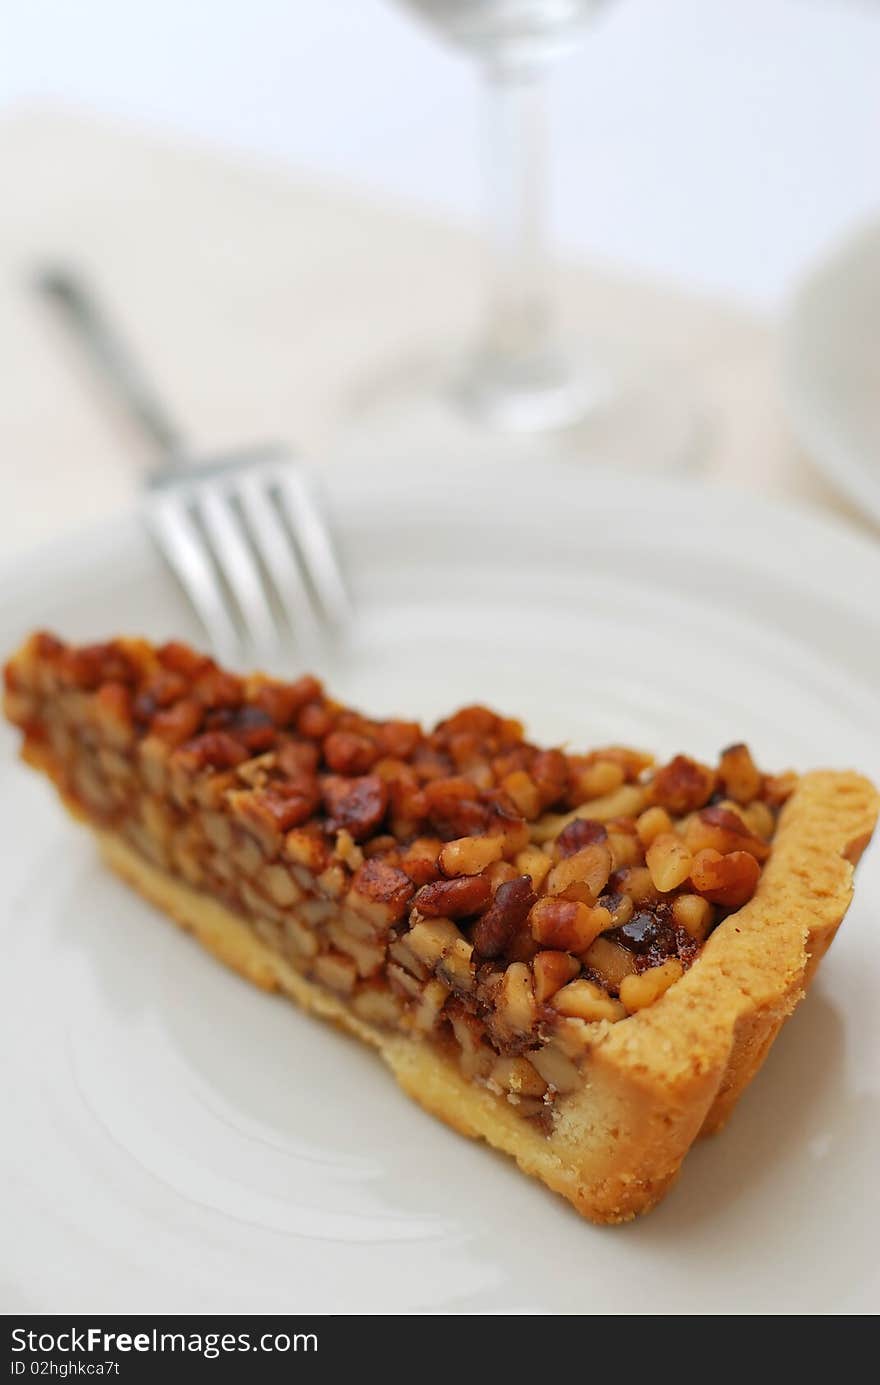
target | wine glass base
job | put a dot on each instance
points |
(428, 410)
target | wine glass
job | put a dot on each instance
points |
(520, 389)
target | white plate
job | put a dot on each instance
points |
(831, 367)
(177, 1141)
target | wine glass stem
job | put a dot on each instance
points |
(519, 312)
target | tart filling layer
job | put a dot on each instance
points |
(510, 925)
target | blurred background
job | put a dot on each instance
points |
(718, 144)
(278, 197)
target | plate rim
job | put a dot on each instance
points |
(101, 539)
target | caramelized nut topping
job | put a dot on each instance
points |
(523, 793)
(723, 830)
(470, 855)
(398, 738)
(535, 863)
(637, 992)
(585, 1000)
(420, 860)
(594, 778)
(346, 752)
(516, 1009)
(212, 750)
(738, 774)
(552, 970)
(177, 723)
(728, 880)
(669, 861)
(454, 899)
(759, 819)
(609, 962)
(644, 932)
(367, 852)
(578, 834)
(549, 770)
(653, 822)
(682, 786)
(507, 913)
(297, 757)
(565, 924)
(454, 809)
(693, 913)
(357, 804)
(278, 807)
(556, 1068)
(282, 701)
(179, 658)
(587, 869)
(384, 886)
(315, 721)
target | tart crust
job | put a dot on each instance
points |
(654, 1081)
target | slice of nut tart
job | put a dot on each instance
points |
(581, 958)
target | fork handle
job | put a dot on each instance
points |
(71, 296)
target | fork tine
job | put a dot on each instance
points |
(278, 555)
(182, 546)
(306, 520)
(225, 552)
(233, 556)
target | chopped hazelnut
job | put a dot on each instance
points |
(507, 913)
(177, 723)
(357, 804)
(552, 970)
(636, 882)
(459, 898)
(723, 830)
(517, 1075)
(627, 801)
(335, 971)
(535, 863)
(591, 867)
(626, 850)
(653, 822)
(737, 772)
(347, 850)
(760, 820)
(594, 779)
(380, 893)
(431, 1001)
(347, 752)
(579, 833)
(586, 1001)
(637, 992)
(523, 793)
(609, 961)
(669, 862)
(555, 1067)
(727, 880)
(564, 925)
(515, 1011)
(682, 785)
(693, 913)
(470, 855)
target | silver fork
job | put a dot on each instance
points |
(243, 532)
